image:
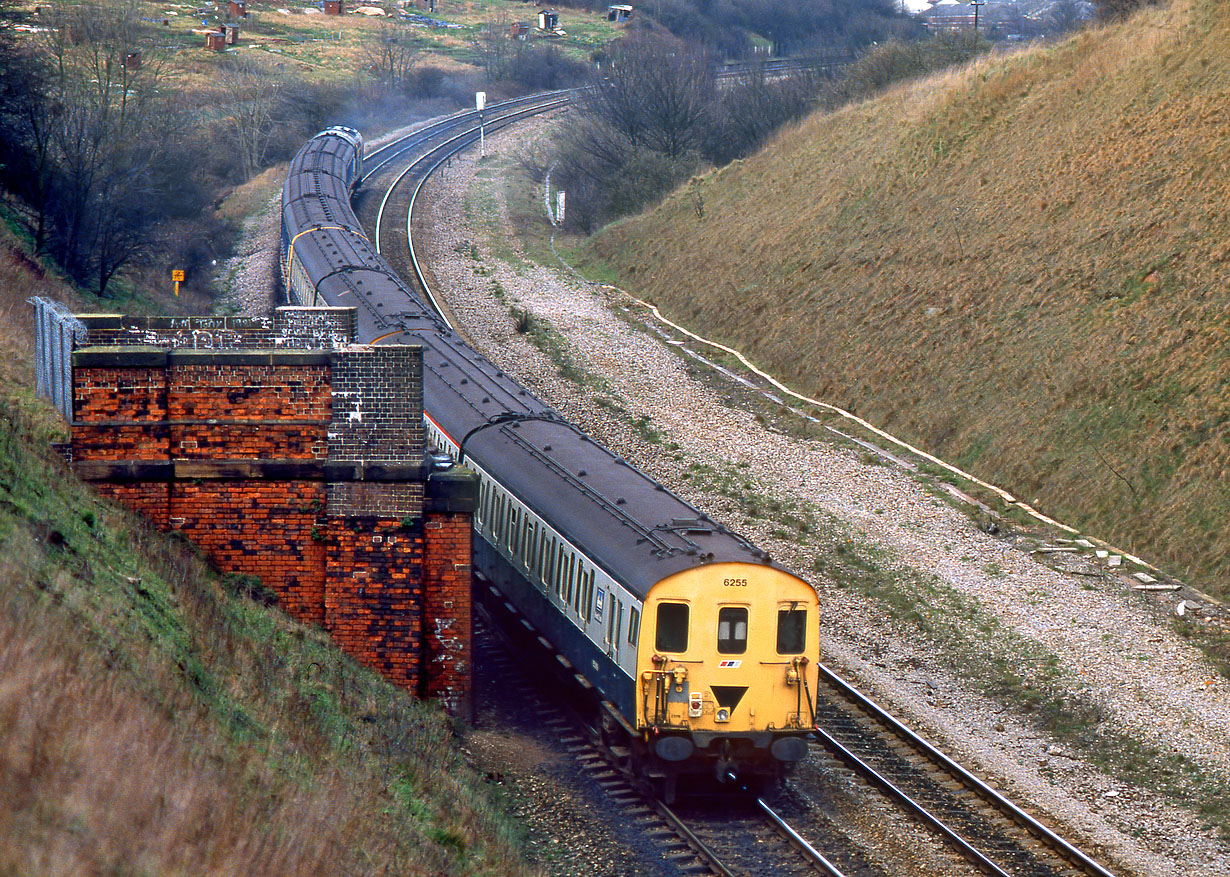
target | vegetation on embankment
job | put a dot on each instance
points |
(158, 718)
(1021, 266)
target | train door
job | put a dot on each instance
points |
(665, 687)
(614, 624)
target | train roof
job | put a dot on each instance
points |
(631, 526)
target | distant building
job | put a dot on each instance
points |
(618, 13)
(949, 15)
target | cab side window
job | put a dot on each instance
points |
(791, 631)
(732, 630)
(672, 635)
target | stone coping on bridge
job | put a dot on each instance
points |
(152, 356)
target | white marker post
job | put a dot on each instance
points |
(559, 207)
(480, 101)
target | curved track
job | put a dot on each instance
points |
(394, 174)
(853, 733)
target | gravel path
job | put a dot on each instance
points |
(1147, 682)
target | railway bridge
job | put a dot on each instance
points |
(284, 451)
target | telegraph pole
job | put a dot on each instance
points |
(977, 4)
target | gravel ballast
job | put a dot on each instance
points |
(1113, 647)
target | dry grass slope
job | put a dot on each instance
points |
(1021, 265)
(155, 719)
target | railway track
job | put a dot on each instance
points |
(394, 174)
(996, 836)
(724, 835)
(853, 734)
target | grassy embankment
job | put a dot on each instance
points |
(1024, 674)
(1021, 266)
(156, 718)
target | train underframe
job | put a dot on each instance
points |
(702, 761)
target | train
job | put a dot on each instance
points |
(694, 642)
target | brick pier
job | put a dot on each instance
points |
(286, 452)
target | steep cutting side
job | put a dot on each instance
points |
(1021, 266)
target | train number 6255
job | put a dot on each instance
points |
(735, 583)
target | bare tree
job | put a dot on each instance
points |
(110, 129)
(1112, 9)
(391, 54)
(654, 93)
(639, 131)
(753, 108)
(26, 120)
(250, 90)
(1065, 15)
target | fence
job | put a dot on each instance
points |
(58, 332)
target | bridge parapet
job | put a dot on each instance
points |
(285, 451)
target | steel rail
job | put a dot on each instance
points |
(1074, 856)
(905, 801)
(702, 849)
(420, 137)
(414, 259)
(808, 850)
(401, 144)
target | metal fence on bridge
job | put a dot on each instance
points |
(58, 332)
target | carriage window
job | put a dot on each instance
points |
(672, 627)
(791, 631)
(587, 599)
(528, 544)
(732, 630)
(634, 624)
(514, 515)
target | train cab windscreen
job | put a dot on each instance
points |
(791, 631)
(672, 633)
(732, 630)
